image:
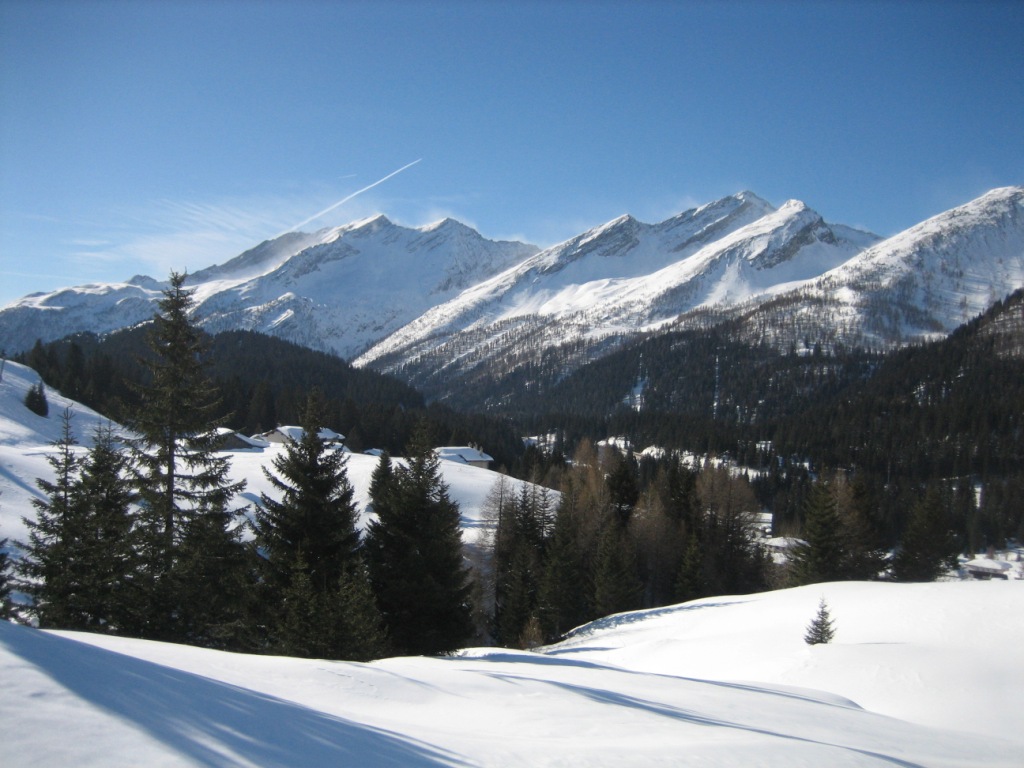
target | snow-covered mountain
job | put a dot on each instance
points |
(336, 290)
(442, 298)
(921, 283)
(781, 276)
(627, 277)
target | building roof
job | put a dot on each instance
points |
(295, 433)
(464, 454)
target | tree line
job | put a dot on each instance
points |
(138, 535)
(263, 383)
(607, 543)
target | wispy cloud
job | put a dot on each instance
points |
(157, 236)
(183, 234)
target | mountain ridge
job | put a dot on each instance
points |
(442, 298)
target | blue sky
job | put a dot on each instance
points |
(147, 136)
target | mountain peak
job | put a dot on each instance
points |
(446, 223)
(450, 227)
(366, 226)
(746, 196)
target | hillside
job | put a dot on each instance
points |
(918, 675)
(263, 381)
(25, 442)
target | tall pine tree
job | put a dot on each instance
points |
(183, 484)
(105, 554)
(315, 585)
(927, 548)
(414, 554)
(49, 562)
(821, 557)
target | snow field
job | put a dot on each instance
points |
(717, 682)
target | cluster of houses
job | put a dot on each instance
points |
(235, 441)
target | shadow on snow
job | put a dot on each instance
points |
(213, 723)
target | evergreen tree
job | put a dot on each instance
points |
(339, 623)
(821, 558)
(623, 490)
(617, 585)
(314, 513)
(863, 557)
(35, 400)
(212, 583)
(315, 585)
(6, 605)
(47, 562)
(183, 484)
(690, 583)
(104, 556)
(822, 627)
(928, 548)
(414, 555)
(382, 483)
(522, 530)
(80, 558)
(565, 587)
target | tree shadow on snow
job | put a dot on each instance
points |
(213, 723)
(665, 710)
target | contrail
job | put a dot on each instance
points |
(344, 200)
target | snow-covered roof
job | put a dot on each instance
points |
(255, 442)
(295, 433)
(462, 453)
(984, 564)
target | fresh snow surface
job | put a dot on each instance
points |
(918, 675)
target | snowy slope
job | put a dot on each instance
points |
(940, 273)
(110, 306)
(900, 649)
(718, 682)
(362, 283)
(783, 276)
(26, 440)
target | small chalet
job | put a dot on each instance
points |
(780, 547)
(464, 454)
(984, 568)
(229, 440)
(281, 435)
